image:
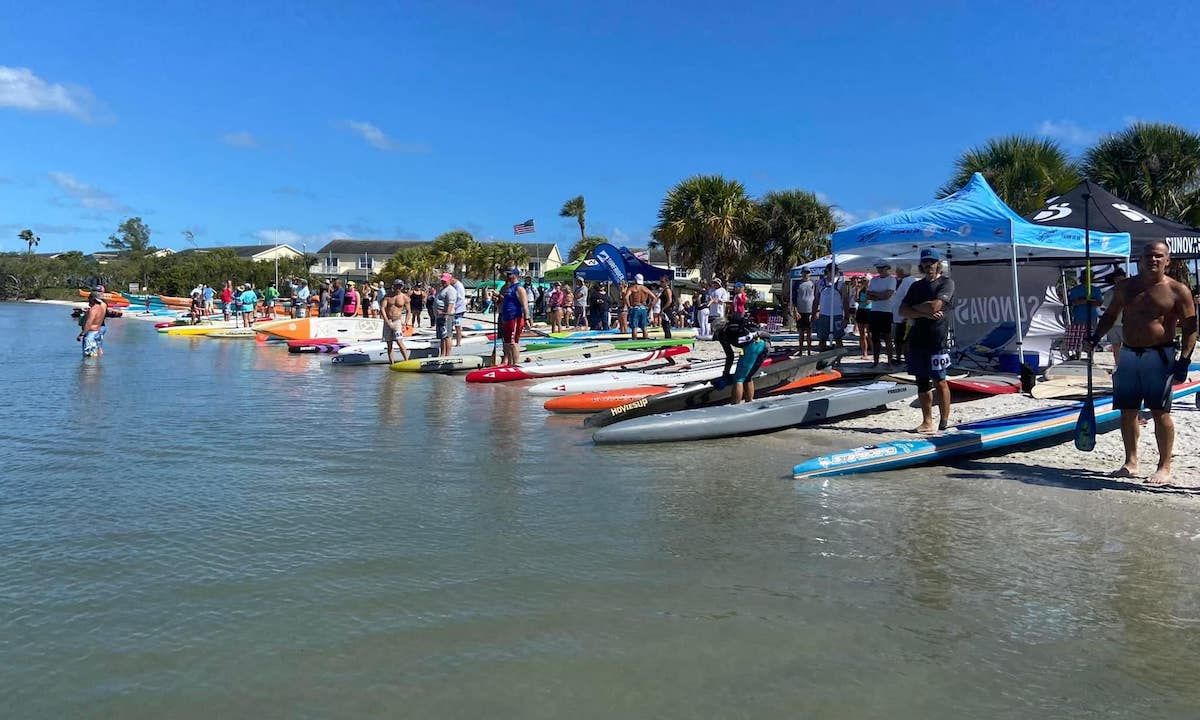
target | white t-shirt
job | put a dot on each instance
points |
(581, 296)
(901, 291)
(716, 302)
(806, 292)
(831, 298)
(460, 302)
(882, 284)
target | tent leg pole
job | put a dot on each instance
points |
(1017, 309)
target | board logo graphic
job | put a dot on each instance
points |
(1133, 214)
(1057, 211)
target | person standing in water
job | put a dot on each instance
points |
(395, 312)
(91, 328)
(514, 314)
(1151, 306)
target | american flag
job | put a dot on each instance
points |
(522, 228)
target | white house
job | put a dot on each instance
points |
(257, 253)
(358, 259)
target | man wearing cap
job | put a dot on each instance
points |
(740, 298)
(831, 299)
(395, 312)
(459, 308)
(640, 299)
(209, 300)
(556, 299)
(514, 314)
(337, 297)
(881, 291)
(270, 295)
(928, 304)
(803, 297)
(445, 300)
(91, 329)
(718, 298)
(581, 303)
(300, 293)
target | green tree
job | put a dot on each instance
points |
(133, 240)
(1153, 165)
(410, 264)
(1023, 170)
(576, 208)
(704, 219)
(790, 227)
(584, 247)
(454, 250)
(31, 241)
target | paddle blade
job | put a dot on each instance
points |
(1085, 427)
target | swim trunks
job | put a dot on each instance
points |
(927, 366)
(442, 327)
(639, 317)
(91, 343)
(824, 331)
(511, 330)
(458, 319)
(1143, 376)
(751, 360)
(390, 334)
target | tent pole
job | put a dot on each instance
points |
(1017, 305)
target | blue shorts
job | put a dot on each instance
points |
(821, 325)
(91, 343)
(1143, 376)
(458, 319)
(927, 365)
(443, 327)
(752, 359)
(639, 317)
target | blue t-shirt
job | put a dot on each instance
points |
(248, 300)
(208, 294)
(1079, 313)
(336, 298)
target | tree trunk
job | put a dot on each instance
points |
(708, 261)
(582, 236)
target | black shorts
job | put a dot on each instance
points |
(804, 320)
(881, 323)
(862, 316)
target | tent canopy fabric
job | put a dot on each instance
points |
(592, 270)
(1109, 213)
(562, 272)
(972, 225)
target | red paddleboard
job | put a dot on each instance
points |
(525, 371)
(985, 384)
(807, 382)
(597, 401)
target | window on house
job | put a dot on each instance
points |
(682, 273)
(366, 263)
(330, 264)
(535, 268)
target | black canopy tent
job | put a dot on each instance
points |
(1109, 213)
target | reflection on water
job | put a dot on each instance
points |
(200, 528)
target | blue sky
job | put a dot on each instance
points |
(249, 121)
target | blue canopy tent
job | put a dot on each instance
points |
(608, 263)
(974, 225)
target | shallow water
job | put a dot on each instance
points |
(203, 528)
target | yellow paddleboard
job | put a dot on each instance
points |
(454, 363)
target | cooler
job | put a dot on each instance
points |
(1010, 364)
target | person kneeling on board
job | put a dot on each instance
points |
(744, 333)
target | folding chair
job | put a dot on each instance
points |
(985, 352)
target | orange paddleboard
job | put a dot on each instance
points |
(597, 401)
(807, 382)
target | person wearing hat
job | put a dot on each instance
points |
(300, 293)
(928, 303)
(640, 299)
(445, 299)
(803, 297)
(395, 313)
(580, 297)
(740, 298)
(832, 298)
(715, 300)
(227, 300)
(248, 299)
(556, 301)
(337, 298)
(881, 291)
(270, 295)
(91, 325)
(350, 300)
(514, 315)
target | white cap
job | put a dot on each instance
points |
(638, 278)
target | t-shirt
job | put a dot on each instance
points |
(581, 296)
(716, 302)
(927, 333)
(336, 298)
(831, 298)
(1079, 313)
(447, 299)
(739, 303)
(208, 294)
(226, 296)
(803, 295)
(882, 284)
(248, 299)
(271, 293)
(901, 291)
(460, 298)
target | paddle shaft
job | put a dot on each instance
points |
(1085, 427)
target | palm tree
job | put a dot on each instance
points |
(31, 241)
(584, 247)
(704, 219)
(1023, 170)
(576, 208)
(791, 227)
(1153, 165)
(455, 249)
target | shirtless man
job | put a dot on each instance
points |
(640, 300)
(1151, 306)
(93, 324)
(395, 310)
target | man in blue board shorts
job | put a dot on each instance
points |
(1151, 306)
(640, 299)
(740, 331)
(928, 304)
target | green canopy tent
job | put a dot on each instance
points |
(562, 272)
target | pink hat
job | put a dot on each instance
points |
(447, 277)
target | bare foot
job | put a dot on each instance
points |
(1162, 476)
(1125, 471)
(925, 429)
(944, 424)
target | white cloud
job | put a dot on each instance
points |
(1067, 131)
(84, 195)
(844, 218)
(377, 138)
(619, 237)
(21, 89)
(240, 139)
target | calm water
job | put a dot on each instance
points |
(203, 528)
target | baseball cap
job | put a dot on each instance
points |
(738, 284)
(98, 288)
(352, 283)
(882, 263)
(397, 283)
(94, 297)
(638, 278)
(805, 271)
(513, 271)
(930, 254)
(447, 277)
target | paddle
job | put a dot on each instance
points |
(1085, 426)
(495, 309)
